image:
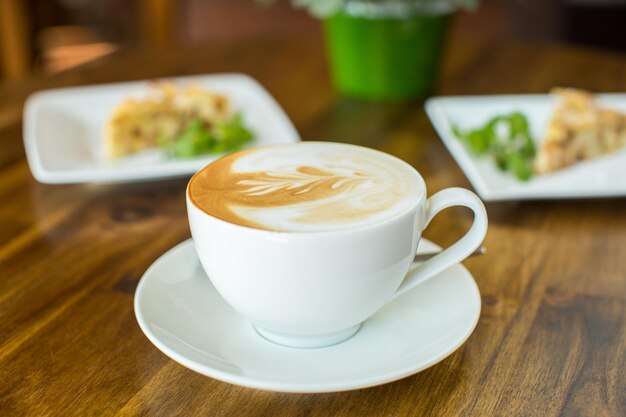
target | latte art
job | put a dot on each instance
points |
(305, 187)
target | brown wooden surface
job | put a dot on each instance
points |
(551, 339)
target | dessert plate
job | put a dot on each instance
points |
(601, 177)
(63, 130)
(183, 315)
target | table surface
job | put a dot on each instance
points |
(551, 339)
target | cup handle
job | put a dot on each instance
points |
(461, 248)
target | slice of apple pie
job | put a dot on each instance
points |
(580, 129)
(155, 120)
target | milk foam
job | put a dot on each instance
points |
(306, 187)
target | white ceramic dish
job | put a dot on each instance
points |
(602, 177)
(183, 315)
(63, 130)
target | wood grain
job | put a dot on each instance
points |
(551, 340)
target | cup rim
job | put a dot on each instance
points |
(289, 233)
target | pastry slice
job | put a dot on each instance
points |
(580, 129)
(139, 124)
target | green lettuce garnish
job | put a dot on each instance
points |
(507, 140)
(196, 139)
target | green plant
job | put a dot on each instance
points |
(326, 8)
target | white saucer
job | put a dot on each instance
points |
(180, 311)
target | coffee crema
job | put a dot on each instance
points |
(305, 187)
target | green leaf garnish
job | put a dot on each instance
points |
(507, 140)
(196, 139)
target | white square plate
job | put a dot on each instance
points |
(601, 177)
(63, 130)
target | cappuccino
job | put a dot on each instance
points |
(306, 187)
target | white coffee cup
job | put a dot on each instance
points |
(313, 289)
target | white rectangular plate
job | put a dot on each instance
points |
(63, 130)
(601, 177)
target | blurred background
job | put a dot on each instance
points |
(39, 37)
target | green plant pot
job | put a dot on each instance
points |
(385, 58)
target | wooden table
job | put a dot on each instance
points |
(552, 335)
